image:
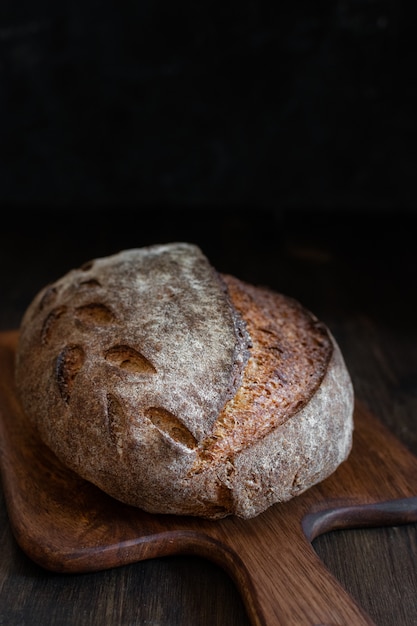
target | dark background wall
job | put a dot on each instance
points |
(272, 105)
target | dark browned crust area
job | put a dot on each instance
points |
(290, 354)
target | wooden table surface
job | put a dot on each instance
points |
(358, 273)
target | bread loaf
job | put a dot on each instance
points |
(180, 390)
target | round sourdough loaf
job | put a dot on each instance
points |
(180, 390)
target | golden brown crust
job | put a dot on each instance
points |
(178, 390)
(289, 357)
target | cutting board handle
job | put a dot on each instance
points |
(294, 589)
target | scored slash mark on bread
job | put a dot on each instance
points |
(117, 422)
(94, 313)
(167, 423)
(129, 359)
(68, 363)
(50, 320)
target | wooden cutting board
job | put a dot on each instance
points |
(67, 525)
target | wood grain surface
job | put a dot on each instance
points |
(366, 301)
